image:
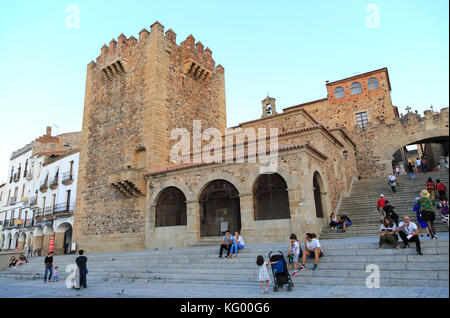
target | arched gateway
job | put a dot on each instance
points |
(219, 209)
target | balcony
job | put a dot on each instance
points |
(67, 178)
(29, 223)
(12, 200)
(15, 223)
(44, 187)
(16, 177)
(54, 182)
(128, 182)
(33, 201)
(48, 211)
(39, 213)
(63, 209)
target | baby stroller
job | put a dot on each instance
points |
(280, 272)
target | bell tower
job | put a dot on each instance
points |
(268, 107)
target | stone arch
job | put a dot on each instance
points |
(391, 145)
(63, 236)
(315, 172)
(318, 185)
(270, 197)
(219, 208)
(8, 241)
(209, 177)
(288, 178)
(170, 183)
(171, 209)
(22, 240)
(30, 241)
(15, 241)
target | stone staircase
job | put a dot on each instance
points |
(344, 263)
(361, 205)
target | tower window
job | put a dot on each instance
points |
(373, 83)
(361, 119)
(339, 92)
(356, 88)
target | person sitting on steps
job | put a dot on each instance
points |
(333, 221)
(388, 233)
(389, 211)
(344, 221)
(409, 233)
(312, 250)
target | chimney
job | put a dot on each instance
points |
(49, 131)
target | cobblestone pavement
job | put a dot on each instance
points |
(37, 289)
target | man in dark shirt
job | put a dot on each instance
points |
(81, 262)
(343, 219)
(48, 263)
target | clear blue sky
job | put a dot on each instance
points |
(286, 48)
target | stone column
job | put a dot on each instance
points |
(193, 222)
(442, 163)
(59, 243)
(38, 240)
(403, 172)
(247, 217)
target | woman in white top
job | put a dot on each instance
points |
(388, 233)
(238, 244)
(333, 221)
(312, 249)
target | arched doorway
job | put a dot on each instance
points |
(8, 242)
(15, 242)
(270, 197)
(67, 239)
(22, 240)
(317, 187)
(219, 209)
(31, 240)
(171, 208)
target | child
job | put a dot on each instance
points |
(290, 257)
(295, 252)
(430, 188)
(55, 274)
(263, 273)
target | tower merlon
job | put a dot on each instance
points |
(157, 27)
(199, 48)
(189, 43)
(171, 35)
(143, 34)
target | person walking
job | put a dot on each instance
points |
(411, 171)
(380, 205)
(431, 187)
(388, 233)
(392, 181)
(422, 223)
(389, 211)
(48, 265)
(81, 262)
(418, 164)
(441, 188)
(424, 164)
(427, 212)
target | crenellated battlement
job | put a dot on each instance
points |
(113, 58)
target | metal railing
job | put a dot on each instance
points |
(33, 201)
(12, 200)
(64, 208)
(67, 176)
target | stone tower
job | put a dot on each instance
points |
(137, 92)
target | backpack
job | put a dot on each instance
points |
(444, 208)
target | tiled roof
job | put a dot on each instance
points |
(192, 165)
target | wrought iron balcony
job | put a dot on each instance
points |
(64, 208)
(33, 201)
(54, 182)
(29, 222)
(44, 187)
(67, 178)
(12, 200)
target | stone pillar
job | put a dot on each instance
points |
(150, 219)
(59, 243)
(37, 245)
(193, 222)
(403, 172)
(20, 244)
(46, 243)
(247, 217)
(442, 164)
